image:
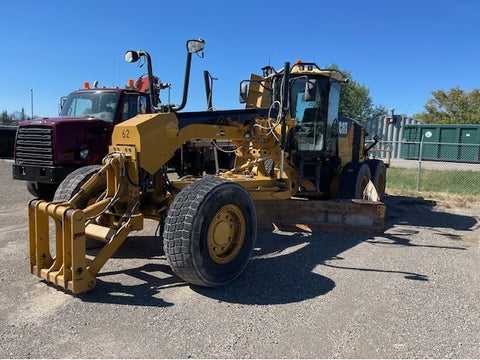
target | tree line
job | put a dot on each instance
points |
(455, 106)
(10, 119)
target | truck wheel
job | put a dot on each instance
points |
(42, 191)
(70, 186)
(353, 180)
(210, 231)
(379, 175)
(74, 181)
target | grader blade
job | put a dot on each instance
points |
(360, 216)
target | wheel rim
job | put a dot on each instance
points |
(226, 234)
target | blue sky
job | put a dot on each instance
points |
(400, 50)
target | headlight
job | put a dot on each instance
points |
(84, 154)
(131, 56)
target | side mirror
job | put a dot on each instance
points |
(131, 56)
(62, 102)
(311, 90)
(243, 92)
(195, 46)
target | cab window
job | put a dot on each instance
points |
(132, 106)
(309, 132)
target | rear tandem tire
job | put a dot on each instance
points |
(353, 180)
(210, 232)
(379, 175)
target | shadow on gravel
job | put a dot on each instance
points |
(404, 210)
(281, 269)
(152, 277)
(283, 265)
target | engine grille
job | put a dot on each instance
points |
(34, 146)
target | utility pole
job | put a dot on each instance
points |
(31, 101)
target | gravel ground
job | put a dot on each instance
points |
(412, 292)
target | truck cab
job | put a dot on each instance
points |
(48, 149)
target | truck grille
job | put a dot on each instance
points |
(34, 146)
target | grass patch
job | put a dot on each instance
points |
(459, 185)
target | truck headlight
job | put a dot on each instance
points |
(83, 154)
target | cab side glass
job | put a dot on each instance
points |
(142, 105)
(332, 121)
(133, 105)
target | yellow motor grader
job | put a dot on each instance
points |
(296, 161)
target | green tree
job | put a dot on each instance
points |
(355, 100)
(456, 106)
(5, 119)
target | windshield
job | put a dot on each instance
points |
(299, 107)
(310, 128)
(97, 104)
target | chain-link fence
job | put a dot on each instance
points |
(439, 167)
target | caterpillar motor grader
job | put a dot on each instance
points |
(292, 153)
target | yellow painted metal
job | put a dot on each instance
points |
(258, 94)
(69, 268)
(156, 137)
(346, 148)
(259, 188)
(113, 244)
(298, 69)
(226, 234)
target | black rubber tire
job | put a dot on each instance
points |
(189, 220)
(70, 186)
(379, 175)
(353, 179)
(41, 190)
(74, 181)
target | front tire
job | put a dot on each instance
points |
(41, 190)
(72, 184)
(210, 232)
(74, 181)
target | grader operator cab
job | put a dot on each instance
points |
(291, 149)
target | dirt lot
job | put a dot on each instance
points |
(412, 292)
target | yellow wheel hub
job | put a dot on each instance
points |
(226, 234)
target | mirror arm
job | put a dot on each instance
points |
(151, 85)
(186, 83)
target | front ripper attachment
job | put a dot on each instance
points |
(70, 268)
